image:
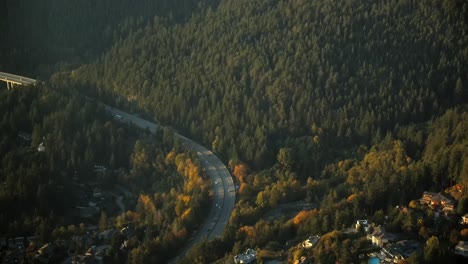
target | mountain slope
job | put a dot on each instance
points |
(251, 76)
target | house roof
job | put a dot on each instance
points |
(248, 257)
(462, 245)
(437, 197)
(404, 247)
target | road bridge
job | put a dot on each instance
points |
(223, 184)
(12, 79)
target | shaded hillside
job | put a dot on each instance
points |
(252, 76)
(36, 34)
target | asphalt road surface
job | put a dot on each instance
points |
(223, 185)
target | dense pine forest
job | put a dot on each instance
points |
(352, 109)
(54, 144)
(40, 37)
(254, 76)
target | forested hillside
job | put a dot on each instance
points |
(38, 35)
(325, 111)
(59, 149)
(76, 135)
(253, 76)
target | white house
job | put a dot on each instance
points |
(310, 242)
(363, 223)
(379, 237)
(250, 256)
(464, 219)
(41, 147)
(462, 248)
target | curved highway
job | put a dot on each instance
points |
(223, 185)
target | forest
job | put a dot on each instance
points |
(291, 73)
(76, 134)
(353, 106)
(40, 37)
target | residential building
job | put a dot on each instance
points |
(462, 248)
(250, 256)
(402, 249)
(41, 147)
(379, 237)
(362, 223)
(437, 201)
(310, 242)
(464, 219)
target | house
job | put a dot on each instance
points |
(464, 219)
(44, 254)
(448, 208)
(462, 249)
(46, 249)
(379, 237)
(437, 201)
(250, 256)
(310, 242)
(362, 223)
(402, 249)
(41, 147)
(303, 260)
(427, 198)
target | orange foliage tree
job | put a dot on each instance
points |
(303, 216)
(240, 172)
(248, 230)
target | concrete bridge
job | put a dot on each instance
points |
(222, 182)
(12, 79)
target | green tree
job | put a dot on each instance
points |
(285, 158)
(103, 221)
(432, 250)
(462, 206)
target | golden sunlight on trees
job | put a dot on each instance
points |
(240, 171)
(248, 230)
(302, 216)
(464, 233)
(352, 197)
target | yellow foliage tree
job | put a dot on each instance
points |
(187, 214)
(170, 157)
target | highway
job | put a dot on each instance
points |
(16, 79)
(223, 185)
